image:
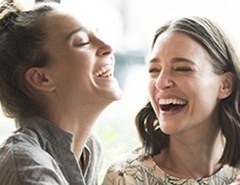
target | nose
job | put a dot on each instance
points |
(164, 81)
(104, 49)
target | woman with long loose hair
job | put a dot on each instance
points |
(190, 128)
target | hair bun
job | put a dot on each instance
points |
(7, 6)
(9, 10)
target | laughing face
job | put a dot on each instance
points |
(81, 65)
(183, 89)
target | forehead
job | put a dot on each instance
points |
(58, 27)
(62, 23)
(177, 41)
(178, 44)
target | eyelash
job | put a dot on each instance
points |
(81, 44)
(177, 69)
(153, 70)
(183, 69)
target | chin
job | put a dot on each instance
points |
(109, 89)
(169, 128)
(114, 95)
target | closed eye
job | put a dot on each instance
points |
(153, 70)
(80, 44)
(183, 69)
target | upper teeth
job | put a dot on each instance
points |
(103, 70)
(171, 100)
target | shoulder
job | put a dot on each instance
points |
(227, 174)
(235, 170)
(21, 144)
(126, 169)
(8, 174)
(238, 167)
(23, 159)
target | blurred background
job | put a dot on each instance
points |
(129, 26)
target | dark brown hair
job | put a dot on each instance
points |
(223, 54)
(22, 38)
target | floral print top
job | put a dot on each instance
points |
(137, 169)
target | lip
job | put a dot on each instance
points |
(108, 80)
(105, 78)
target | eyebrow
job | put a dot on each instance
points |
(173, 60)
(75, 31)
(154, 60)
(180, 59)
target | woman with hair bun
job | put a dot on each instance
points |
(190, 128)
(56, 77)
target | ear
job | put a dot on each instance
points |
(38, 79)
(226, 87)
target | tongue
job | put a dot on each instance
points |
(171, 107)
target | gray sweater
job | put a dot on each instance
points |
(40, 153)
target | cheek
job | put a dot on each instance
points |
(208, 89)
(202, 97)
(151, 89)
(79, 68)
(208, 97)
(71, 77)
(152, 95)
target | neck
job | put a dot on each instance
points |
(79, 123)
(192, 156)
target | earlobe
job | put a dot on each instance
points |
(38, 79)
(227, 85)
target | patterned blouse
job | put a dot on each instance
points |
(137, 169)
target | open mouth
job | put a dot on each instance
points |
(171, 104)
(104, 72)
